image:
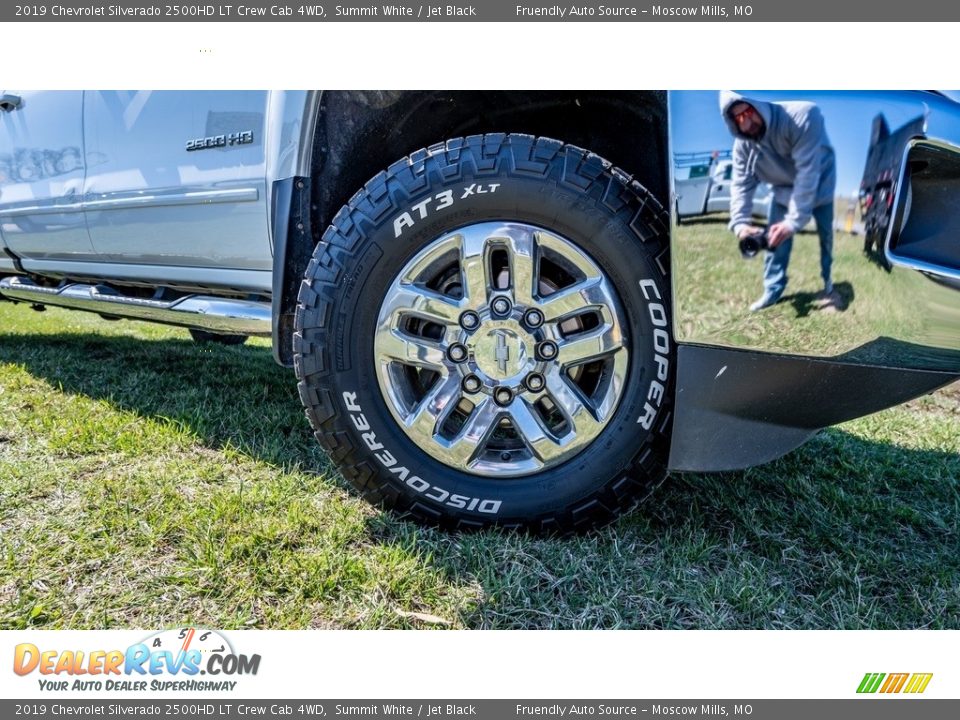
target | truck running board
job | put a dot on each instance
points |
(204, 312)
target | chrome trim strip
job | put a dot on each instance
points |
(898, 219)
(927, 268)
(215, 314)
(674, 215)
(123, 200)
(41, 209)
(127, 199)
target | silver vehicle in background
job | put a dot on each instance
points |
(491, 316)
(701, 184)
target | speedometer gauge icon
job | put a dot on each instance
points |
(182, 640)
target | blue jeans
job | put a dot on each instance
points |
(775, 261)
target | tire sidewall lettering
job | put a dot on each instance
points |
(388, 460)
(656, 389)
(420, 210)
(425, 209)
(617, 258)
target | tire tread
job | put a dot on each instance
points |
(386, 193)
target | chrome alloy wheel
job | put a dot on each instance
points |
(500, 349)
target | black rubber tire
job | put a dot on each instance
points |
(202, 336)
(542, 182)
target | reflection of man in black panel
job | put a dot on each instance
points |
(784, 144)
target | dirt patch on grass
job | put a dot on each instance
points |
(945, 399)
(951, 392)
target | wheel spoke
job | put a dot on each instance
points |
(586, 295)
(527, 423)
(590, 345)
(570, 253)
(425, 420)
(474, 266)
(582, 422)
(423, 315)
(473, 436)
(419, 352)
(423, 302)
(521, 250)
(418, 271)
(607, 401)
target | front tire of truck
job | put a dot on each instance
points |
(483, 337)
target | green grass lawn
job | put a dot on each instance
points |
(146, 481)
(716, 286)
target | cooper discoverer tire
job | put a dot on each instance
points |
(483, 336)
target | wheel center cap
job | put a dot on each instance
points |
(500, 352)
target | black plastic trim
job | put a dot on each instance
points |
(736, 408)
(292, 248)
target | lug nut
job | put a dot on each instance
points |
(547, 350)
(457, 352)
(534, 382)
(533, 319)
(501, 306)
(469, 320)
(503, 396)
(471, 384)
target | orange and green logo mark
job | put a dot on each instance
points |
(894, 682)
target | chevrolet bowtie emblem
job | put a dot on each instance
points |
(503, 353)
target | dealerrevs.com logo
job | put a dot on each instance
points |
(888, 683)
(168, 660)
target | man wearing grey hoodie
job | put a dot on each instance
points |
(784, 144)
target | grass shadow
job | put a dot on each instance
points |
(845, 532)
(225, 395)
(806, 302)
(833, 536)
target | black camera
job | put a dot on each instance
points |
(752, 244)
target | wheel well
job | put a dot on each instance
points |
(360, 133)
